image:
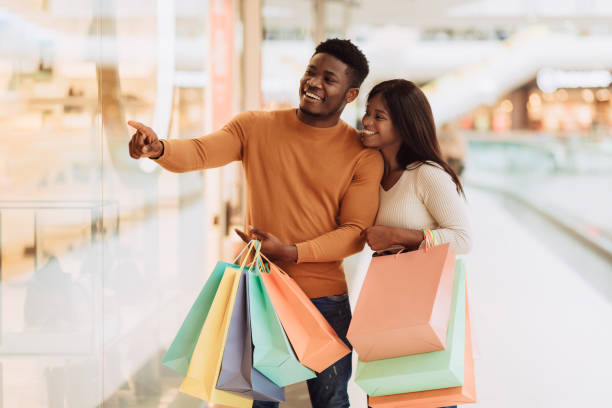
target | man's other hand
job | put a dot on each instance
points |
(144, 142)
(271, 246)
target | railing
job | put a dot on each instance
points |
(566, 180)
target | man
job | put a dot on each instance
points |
(311, 188)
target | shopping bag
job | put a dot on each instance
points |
(179, 354)
(404, 304)
(314, 341)
(205, 364)
(272, 352)
(237, 373)
(426, 371)
(464, 394)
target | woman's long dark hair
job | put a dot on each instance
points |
(413, 119)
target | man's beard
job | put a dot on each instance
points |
(313, 114)
(323, 115)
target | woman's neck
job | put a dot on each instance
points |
(390, 158)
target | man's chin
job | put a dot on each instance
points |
(309, 112)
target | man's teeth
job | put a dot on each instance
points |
(369, 132)
(313, 96)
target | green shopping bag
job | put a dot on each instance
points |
(272, 353)
(179, 354)
(426, 371)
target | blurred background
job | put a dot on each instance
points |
(101, 256)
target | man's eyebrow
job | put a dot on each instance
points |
(331, 73)
(380, 111)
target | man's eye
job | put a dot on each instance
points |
(379, 117)
(331, 81)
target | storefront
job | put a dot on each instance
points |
(570, 103)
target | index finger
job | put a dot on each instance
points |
(138, 126)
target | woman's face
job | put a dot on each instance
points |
(379, 131)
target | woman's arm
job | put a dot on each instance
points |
(380, 238)
(439, 194)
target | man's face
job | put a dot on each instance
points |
(324, 86)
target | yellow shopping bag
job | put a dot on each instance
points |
(205, 365)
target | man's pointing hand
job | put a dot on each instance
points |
(144, 142)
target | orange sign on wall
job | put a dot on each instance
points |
(221, 54)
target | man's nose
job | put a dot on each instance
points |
(314, 82)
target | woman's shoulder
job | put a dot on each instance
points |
(431, 176)
(427, 169)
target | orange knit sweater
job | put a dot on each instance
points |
(313, 187)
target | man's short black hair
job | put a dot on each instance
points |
(348, 53)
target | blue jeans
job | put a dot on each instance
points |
(329, 388)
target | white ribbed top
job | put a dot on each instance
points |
(426, 197)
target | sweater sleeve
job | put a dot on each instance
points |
(213, 150)
(446, 206)
(357, 212)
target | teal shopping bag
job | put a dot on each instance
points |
(272, 353)
(179, 354)
(427, 371)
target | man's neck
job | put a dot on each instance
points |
(317, 121)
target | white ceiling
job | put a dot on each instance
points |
(444, 13)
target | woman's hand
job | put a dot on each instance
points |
(379, 237)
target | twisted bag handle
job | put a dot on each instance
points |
(430, 239)
(430, 242)
(251, 244)
(260, 257)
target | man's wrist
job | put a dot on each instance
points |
(162, 151)
(290, 253)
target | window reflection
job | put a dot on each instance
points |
(93, 280)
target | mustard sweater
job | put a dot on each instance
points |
(313, 187)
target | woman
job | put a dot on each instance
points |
(419, 190)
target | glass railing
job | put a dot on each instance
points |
(568, 179)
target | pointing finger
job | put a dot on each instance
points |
(136, 125)
(143, 130)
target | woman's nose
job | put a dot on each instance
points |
(365, 121)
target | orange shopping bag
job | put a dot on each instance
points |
(437, 398)
(404, 304)
(315, 343)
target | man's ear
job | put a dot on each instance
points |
(351, 95)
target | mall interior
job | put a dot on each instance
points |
(101, 256)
